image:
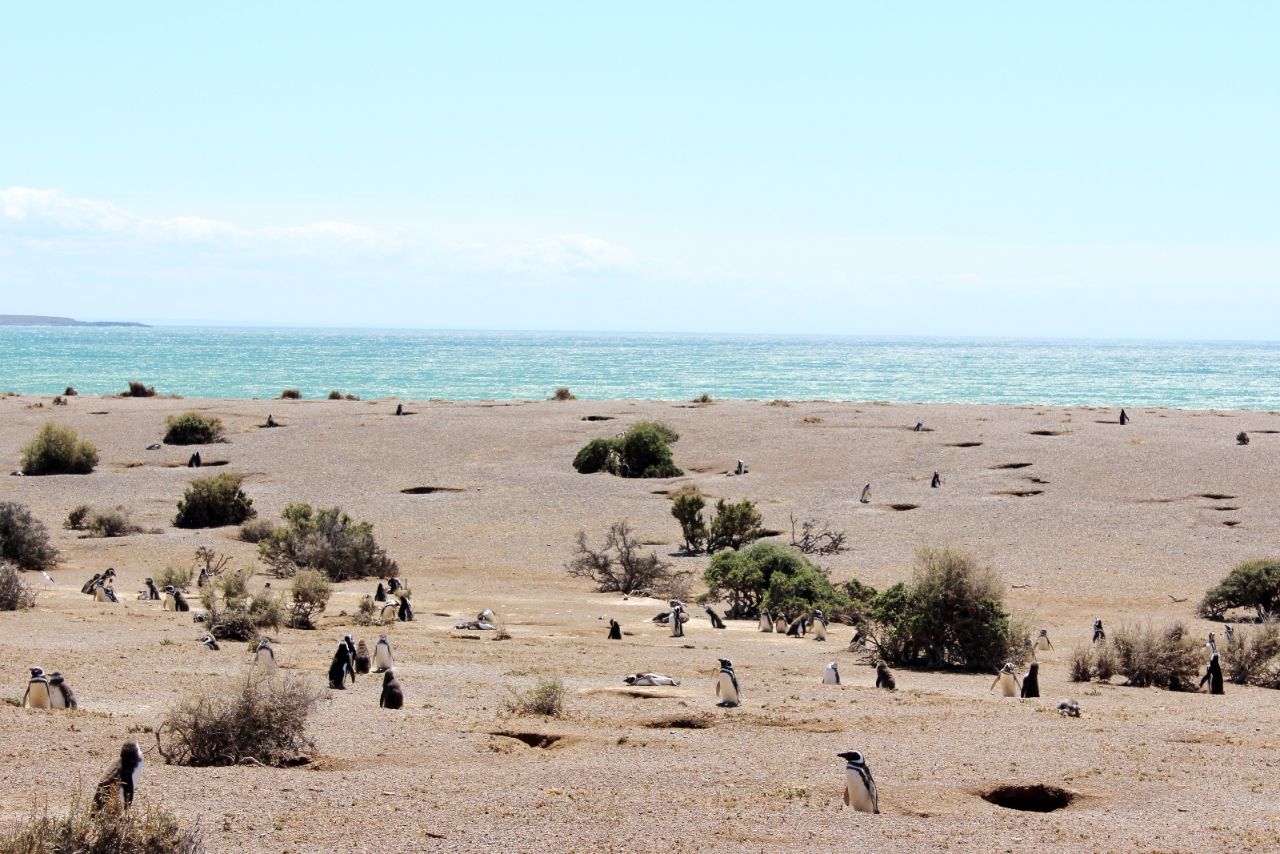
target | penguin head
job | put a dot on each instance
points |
(853, 757)
(630, 680)
(264, 644)
(388, 675)
(1044, 633)
(726, 664)
(148, 580)
(832, 666)
(36, 672)
(169, 588)
(131, 752)
(382, 638)
(1008, 667)
(1033, 668)
(110, 573)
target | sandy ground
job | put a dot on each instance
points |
(1127, 523)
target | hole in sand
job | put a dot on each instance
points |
(904, 506)
(1019, 493)
(1224, 509)
(1046, 432)
(1033, 479)
(1034, 797)
(1231, 523)
(965, 445)
(204, 464)
(1012, 465)
(770, 532)
(1268, 432)
(1215, 496)
(533, 739)
(681, 722)
(103, 412)
(428, 490)
(597, 418)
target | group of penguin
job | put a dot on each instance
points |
(352, 658)
(102, 588)
(395, 601)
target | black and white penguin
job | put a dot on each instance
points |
(193, 462)
(118, 786)
(766, 621)
(1229, 633)
(866, 495)
(884, 677)
(780, 623)
(1069, 708)
(936, 482)
(380, 595)
(209, 642)
(859, 786)
(393, 584)
(363, 660)
(819, 624)
(1007, 680)
(716, 621)
(1098, 633)
(60, 694)
(170, 601)
(399, 409)
(798, 627)
(341, 668)
(858, 641)
(1213, 644)
(831, 674)
(392, 694)
(1043, 644)
(615, 630)
(271, 421)
(1213, 675)
(88, 586)
(487, 619)
(180, 602)
(153, 593)
(37, 694)
(103, 593)
(677, 623)
(390, 611)
(919, 426)
(383, 660)
(405, 612)
(1031, 682)
(203, 578)
(650, 679)
(727, 693)
(350, 643)
(1124, 418)
(265, 657)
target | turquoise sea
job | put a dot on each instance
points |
(241, 362)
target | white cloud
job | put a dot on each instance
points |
(567, 253)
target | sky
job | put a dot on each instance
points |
(1024, 169)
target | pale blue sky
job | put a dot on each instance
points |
(1108, 169)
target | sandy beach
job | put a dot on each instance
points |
(1082, 518)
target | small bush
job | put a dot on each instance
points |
(1163, 657)
(619, 566)
(309, 595)
(59, 400)
(686, 506)
(58, 450)
(1080, 664)
(563, 393)
(643, 451)
(1253, 656)
(326, 540)
(775, 578)
(110, 523)
(702, 398)
(1104, 662)
(84, 830)
(263, 720)
(180, 577)
(546, 698)
(245, 619)
(24, 540)
(291, 394)
(368, 613)
(1242, 438)
(192, 428)
(1253, 584)
(735, 524)
(69, 392)
(335, 395)
(598, 455)
(256, 530)
(76, 517)
(15, 595)
(137, 389)
(211, 502)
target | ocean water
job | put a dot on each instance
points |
(215, 362)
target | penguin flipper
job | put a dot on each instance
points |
(846, 795)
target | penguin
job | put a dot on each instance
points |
(727, 693)
(203, 578)
(382, 658)
(936, 482)
(819, 624)
(363, 659)
(1007, 680)
(118, 786)
(380, 595)
(1031, 682)
(884, 677)
(1043, 643)
(392, 694)
(390, 611)
(170, 598)
(859, 786)
(1098, 633)
(742, 467)
(154, 446)
(87, 589)
(650, 679)
(341, 667)
(399, 409)
(1213, 675)
(919, 426)
(1124, 418)
(831, 675)
(798, 626)
(716, 622)
(1069, 708)
(866, 495)
(858, 641)
(103, 593)
(487, 616)
(193, 462)
(1213, 644)
(677, 624)
(153, 594)
(210, 643)
(393, 584)
(265, 657)
(60, 694)
(405, 613)
(780, 623)
(180, 602)
(766, 621)
(615, 630)
(350, 643)
(37, 695)
(1229, 633)
(271, 421)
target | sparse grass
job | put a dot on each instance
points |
(1163, 657)
(137, 389)
(309, 595)
(291, 394)
(24, 540)
(1080, 664)
(702, 398)
(15, 595)
(262, 719)
(76, 517)
(179, 576)
(563, 393)
(256, 530)
(58, 450)
(144, 829)
(1104, 662)
(545, 698)
(211, 502)
(111, 523)
(192, 428)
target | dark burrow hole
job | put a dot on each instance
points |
(965, 445)
(427, 490)
(681, 722)
(1032, 479)
(1224, 509)
(1019, 493)
(1035, 797)
(1012, 465)
(1231, 523)
(770, 532)
(597, 418)
(904, 506)
(532, 739)
(1046, 432)
(1215, 496)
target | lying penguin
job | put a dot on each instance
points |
(650, 679)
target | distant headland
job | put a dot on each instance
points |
(41, 320)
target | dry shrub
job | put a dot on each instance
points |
(1104, 663)
(563, 393)
(619, 566)
(291, 394)
(546, 698)
(1080, 664)
(256, 530)
(137, 389)
(24, 540)
(15, 595)
(69, 392)
(211, 502)
(58, 450)
(262, 720)
(83, 830)
(1253, 656)
(110, 523)
(335, 395)
(179, 576)
(309, 595)
(1163, 657)
(702, 398)
(76, 517)
(192, 428)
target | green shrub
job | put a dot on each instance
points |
(642, 451)
(1080, 663)
(137, 389)
(192, 428)
(1253, 656)
(951, 614)
(1164, 657)
(15, 595)
(546, 698)
(1104, 662)
(76, 517)
(734, 525)
(563, 393)
(211, 502)
(326, 540)
(110, 523)
(598, 455)
(290, 394)
(70, 392)
(180, 577)
(1253, 584)
(335, 395)
(256, 530)
(773, 577)
(263, 719)
(309, 596)
(24, 540)
(58, 450)
(234, 615)
(687, 505)
(144, 829)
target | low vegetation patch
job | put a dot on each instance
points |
(1252, 656)
(291, 394)
(328, 541)
(114, 522)
(1253, 585)
(144, 829)
(234, 614)
(137, 389)
(58, 450)
(1161, 657)
(619, 565)
(546, 698)
(734, 524)
(642, 451)
(778, 579)
(211, 502)
(256, 530)
(24, 540)
(15, 594)
(309, 595)
(192, 428)
(563, 393)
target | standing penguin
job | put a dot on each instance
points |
(727, 692)
(271, 420)
(393, 584)
(677, 621)
(1031, 682)
(766, 621)
(153, 594)
(194, 461)
(615, 630)
(390, 611)
(1124, 418)
(60, 694)
(351, 651)
(936, 482)
(209, 642)
(919, 426)
(170, 598)
(380, 595)
(405, 614)
(1213, 644)
(382, 658)
(716, 621)
(1043, 643)
(363, 659)
(859, 786)
(831, 675)
(780, 623)
(1098, 633)
(118, 786)
(866, 495)
(341, 668)
(103, 593)
(884, 677)
(1229, 633)
(798, 626)
(1007, 680)
(87, 589)
(1213, 675)
(819, 626)
(265, 657)
(392, 694)
(180, 602)
(37, 695)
